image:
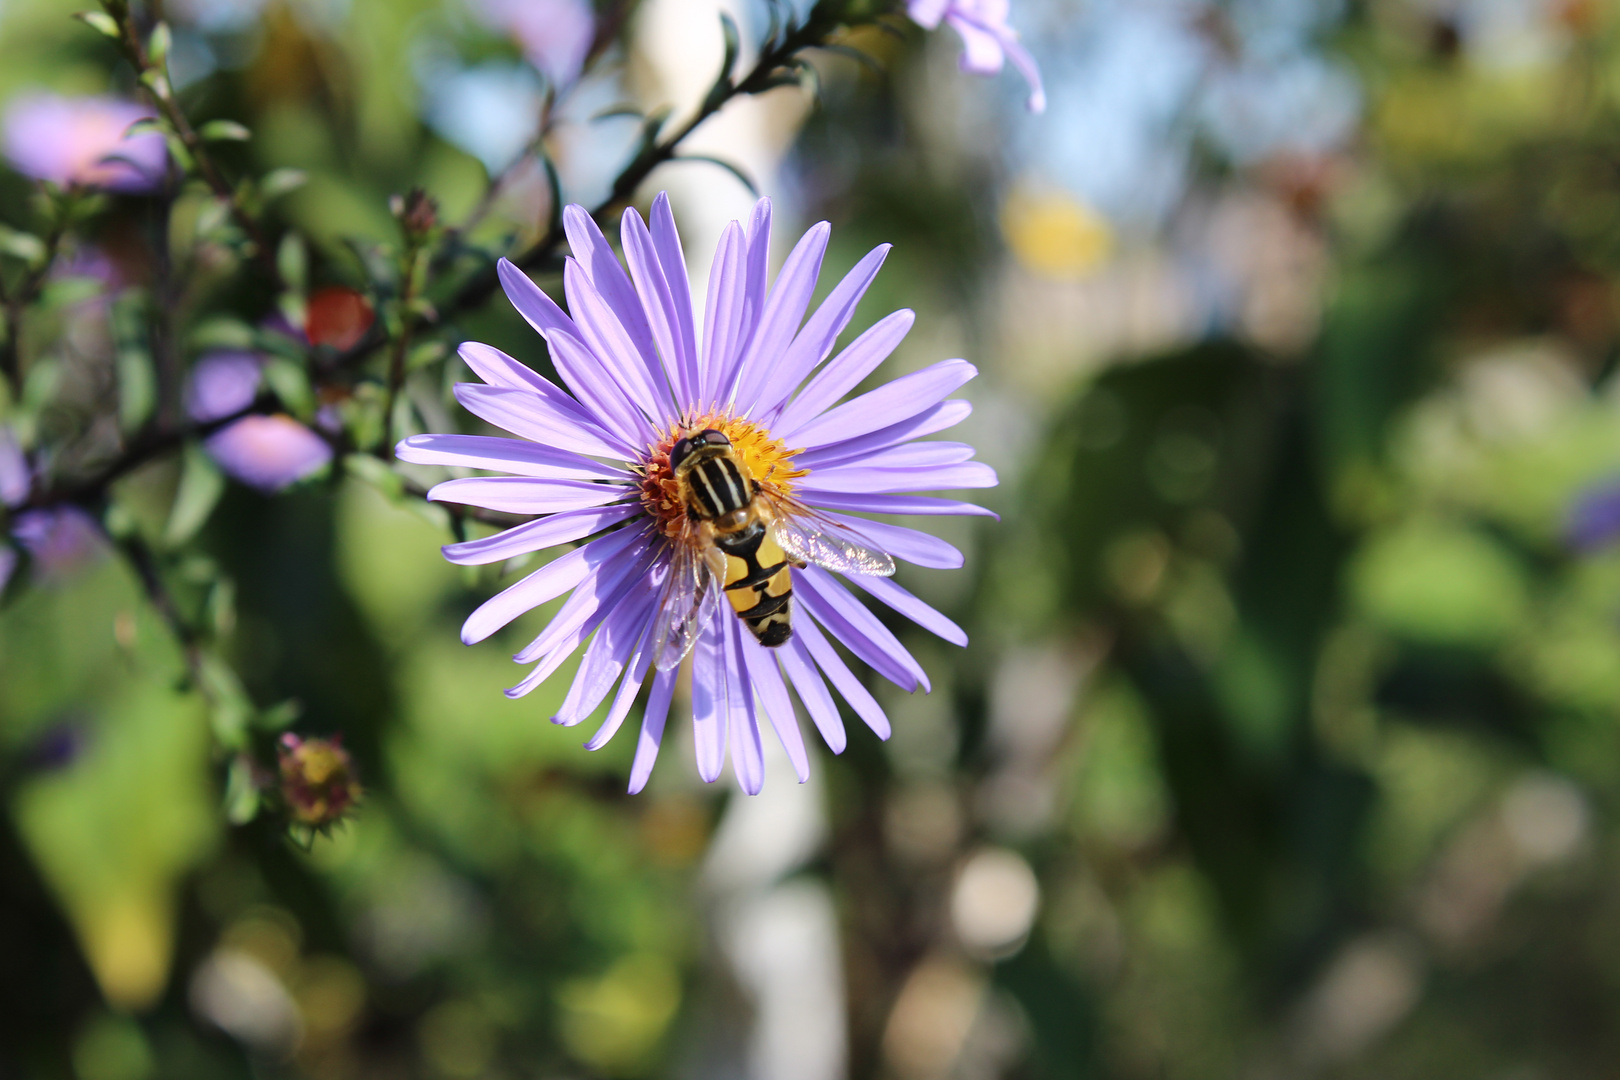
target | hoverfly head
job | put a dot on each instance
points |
(698, 440)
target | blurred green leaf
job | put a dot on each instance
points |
(224, 131)
(201, 485)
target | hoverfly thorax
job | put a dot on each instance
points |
(714, 483)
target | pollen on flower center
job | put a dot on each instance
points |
(767, 459)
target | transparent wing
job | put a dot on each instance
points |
(810, 536)
(687, 602)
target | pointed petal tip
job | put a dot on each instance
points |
(635, 785)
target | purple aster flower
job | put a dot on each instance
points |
(555, 35)
(720, 467)
(1594, 517)
(83, 142)
(987, 41)
(264, 452)
(58, 539)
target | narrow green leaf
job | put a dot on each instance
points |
(232, 708)
(137, 389)
(221, 332)
(289, 382)
(158, 45)
(201, 485)
(100, 22)
(376, 473)
(281, 181)
(292, 261)
(241, 791)
(25, 246)
(224, 131)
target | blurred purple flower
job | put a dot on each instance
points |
(640, 386)
(555, 35)
(264, 452)
(988, 42)
(1594, 517)
(82, 142)
(57, 538)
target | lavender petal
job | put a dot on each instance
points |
(539, 534)
(659, 300)
(747, 749)
(725, 313)
(784, 310)
(827, 659)
(538, 310)
(652, 728)
(635, 373)
(505, 455)
(608, 655)
(590, 381)
(845, 371)
(912, 545)
(595, 598)
(709, 699)
(911, 607)
(546, 583)
(814, 342)
(596, 256)
(946, 414)
(773, 695)
(888, 404)
(628, 689)
(878, 481)
(859, 629)
(541, 419)
(523, 495)
(922, 505)
(667, 243)
(801, 670)
(498, 369)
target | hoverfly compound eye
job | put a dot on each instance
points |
(678, 453)
(711, 437)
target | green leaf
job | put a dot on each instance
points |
(290, 383)
(280, 716)
(21, 245)
(201, 485)
(241, 791)
(224, 131)
(137, 389)
(157, 82)
(221, 332)
(424, 353)
(137, 379)
(281, 181)
(99, 21)
(376, 473)
(232, 708)
(292, 261)
(158, 45)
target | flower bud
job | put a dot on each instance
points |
(318, 783)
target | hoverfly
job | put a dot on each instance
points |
(741, 540)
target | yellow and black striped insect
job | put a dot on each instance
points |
(743, 541)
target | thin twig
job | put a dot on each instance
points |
(158, 87)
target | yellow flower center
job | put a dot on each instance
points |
(766, 459)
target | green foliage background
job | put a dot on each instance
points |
(1333, 787)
